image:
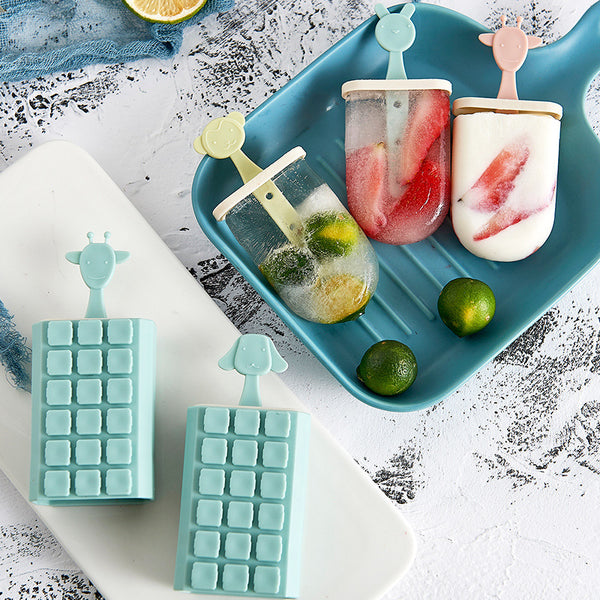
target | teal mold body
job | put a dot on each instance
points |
(244, 486)
(93, 390)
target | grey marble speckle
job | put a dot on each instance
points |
(48, 585)
(398, 478)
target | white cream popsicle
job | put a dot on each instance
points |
(505, 160)
(504, 182)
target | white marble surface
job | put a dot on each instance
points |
(500, 481)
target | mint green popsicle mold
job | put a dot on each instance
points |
(93, 388)
(244, 487)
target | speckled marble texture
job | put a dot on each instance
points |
(501, 480)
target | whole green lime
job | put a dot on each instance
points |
(331, 234)
(289, 266)
(388, 368)
(466, 305)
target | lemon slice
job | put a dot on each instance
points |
(341, 298)
(331, 234)
(165, 11)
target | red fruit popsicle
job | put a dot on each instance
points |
(420, 163)
(402, 125)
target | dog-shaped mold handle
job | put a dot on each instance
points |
(253, 355)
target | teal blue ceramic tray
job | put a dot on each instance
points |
(309, 112)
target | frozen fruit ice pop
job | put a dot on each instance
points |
(397, 143)
(293, 226)
(398, 165)
(327, 271)
(505, 161)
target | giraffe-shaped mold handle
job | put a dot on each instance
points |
(223, 138)
(395, 32)
(253, 355)
(509, 46)
(97, 262)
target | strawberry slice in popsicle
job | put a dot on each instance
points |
(421, 209)
(426, 122)
(496, 183)
(507, 216)
(503, 219)
(366, 184)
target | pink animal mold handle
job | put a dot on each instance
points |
(509, 46)
(504, 161)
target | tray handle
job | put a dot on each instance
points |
(582, 47)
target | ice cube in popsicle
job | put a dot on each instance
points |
(505, 160)
(397, 143)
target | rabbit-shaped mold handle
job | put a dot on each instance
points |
(395, 33)
(97, 262)
(509, 46)
(253, 355)
(223, 138)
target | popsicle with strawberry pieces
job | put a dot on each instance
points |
(421, 172)
(505, 159)
(397, 143)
